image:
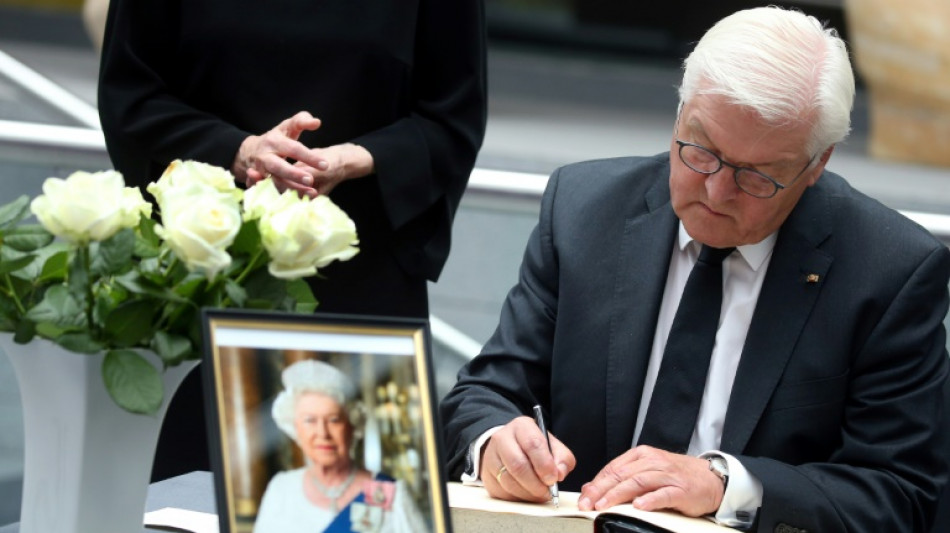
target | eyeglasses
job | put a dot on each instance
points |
(750, 181)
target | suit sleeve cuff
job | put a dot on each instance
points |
(470, 475)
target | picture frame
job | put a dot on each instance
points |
(270, 378)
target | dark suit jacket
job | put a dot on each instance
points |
(838, 400)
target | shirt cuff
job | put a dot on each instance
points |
(743, 495)
(471, 477)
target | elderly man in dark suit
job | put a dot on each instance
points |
(819, 404)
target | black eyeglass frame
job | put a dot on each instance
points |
(735, 170)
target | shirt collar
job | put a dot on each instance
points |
(753, 254)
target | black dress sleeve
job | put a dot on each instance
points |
(428, 156)
(146, 125)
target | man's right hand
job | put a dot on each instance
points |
(516, 464)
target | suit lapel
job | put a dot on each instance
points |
(795, 277)
(644, 256)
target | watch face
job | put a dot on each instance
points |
(719, 466)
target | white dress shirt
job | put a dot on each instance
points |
(743, 272)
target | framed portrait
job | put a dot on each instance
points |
(323, 423)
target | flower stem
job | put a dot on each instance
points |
(251, 266)
(213, 288)
(11, 293)
(86, 262)
(166, 275)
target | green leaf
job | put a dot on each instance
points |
(133, 382)
(306, 308)
(9, 315)
(35, 269)
(235, 292)
(236, 267)
(115, 253)
(27, 238)
(58, 307)
(131, 322)
(22, 287)
(286, 304)
(79, 342)
(146, 238)
(54, 268)
(188, 287)
(260, 303)
(150, 269)
(172, 349)
(147, 243)
(8, 266)
(107, 299)
(301, 292)
(14, 211)
(248, 239)
(262, 286)
(144, 249)
(48, 330)
(144, 286)
(25, 331)
(183, 319)
(179, 271)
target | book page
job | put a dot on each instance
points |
(183, 520)
(477, 498)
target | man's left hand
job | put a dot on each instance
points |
(655, 479)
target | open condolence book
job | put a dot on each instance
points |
(474, 511)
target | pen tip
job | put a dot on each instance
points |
(556, 505)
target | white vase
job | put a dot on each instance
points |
(87, 462)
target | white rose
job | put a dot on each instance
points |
(88, 206)
(134, 207)
(260, 199)
(199, 228)
(187, 190)
(180, 173)
(337, 233)
(302, 235)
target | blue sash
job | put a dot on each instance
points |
(342, 524)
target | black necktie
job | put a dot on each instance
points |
(674, 405)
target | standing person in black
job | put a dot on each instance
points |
(380, 105)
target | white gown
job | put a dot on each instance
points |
(285, 509)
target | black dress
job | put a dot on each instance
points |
(191, 79)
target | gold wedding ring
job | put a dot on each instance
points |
(500, 472)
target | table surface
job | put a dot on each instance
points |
(194, 491)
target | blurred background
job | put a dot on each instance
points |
(568, 80)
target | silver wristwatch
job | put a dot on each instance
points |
(718, 466)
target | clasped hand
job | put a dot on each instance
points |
(516, 465)
(313, 171)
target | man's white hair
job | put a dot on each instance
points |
(781, 63)
(319, 377)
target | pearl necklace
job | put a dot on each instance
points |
(333, 493)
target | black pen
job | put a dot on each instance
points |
(539, 418)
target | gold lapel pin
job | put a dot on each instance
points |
(812, 278)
